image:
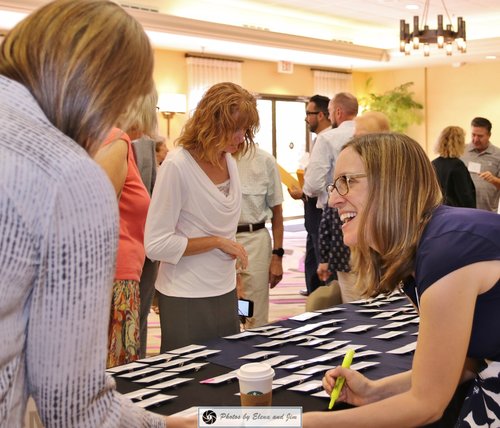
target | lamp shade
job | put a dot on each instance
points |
(172, 103)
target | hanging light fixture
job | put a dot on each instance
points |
(442, 36)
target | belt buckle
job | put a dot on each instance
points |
(250, 227)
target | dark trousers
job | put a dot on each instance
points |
(146, 293)
(312, 218)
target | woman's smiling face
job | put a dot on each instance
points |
(351, 170)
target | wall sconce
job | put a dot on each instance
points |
(169, 104)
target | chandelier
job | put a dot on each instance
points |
(442, 36)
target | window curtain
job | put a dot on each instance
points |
(329, 83)
(205, 72)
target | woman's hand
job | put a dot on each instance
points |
(356, 390)
(235, 250)
(182, 421)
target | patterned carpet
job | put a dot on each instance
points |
(285, 300)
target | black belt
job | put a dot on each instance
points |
(250, 227)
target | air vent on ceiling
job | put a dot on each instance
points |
(144, 8)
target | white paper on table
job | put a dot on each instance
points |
(170, 383)
(290, 379)
(125, 367)
(415, 320)
(474, 167)
(186, 349)
(307, 386)
(262, 328)
(243, 334)
(396, 324)
(201, 354)
(156, 377)
(173, 363)
(271, 344)
(343, 351)
(257, 355)
(274, 361)
(294, 364)
(385, 314)
(314, 341)
(305, 316)
(403, 317)
(370, 311)
(155, 400)
(274, 331)
(390, 334)
(315, 369)
(366, 353)
(322, 358)
(138, 373)
(140, 393)
(333, 309)
(321, 394)
(161, 357)
(288, 334)
(359, 328)
(364, 365)
(404, 349)
(188, 367)
(333, 345)
(325, 331)
(221, 378)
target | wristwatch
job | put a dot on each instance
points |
(280, 252)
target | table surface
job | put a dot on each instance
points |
(389, 309)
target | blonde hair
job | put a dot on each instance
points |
(141, 117)
(370, 122)
(451, 142)
(403, 193)
(83, 62)
(224, 109)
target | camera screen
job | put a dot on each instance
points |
(245, 308)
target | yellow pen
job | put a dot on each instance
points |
(339, 383)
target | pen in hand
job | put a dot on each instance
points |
(339, 383)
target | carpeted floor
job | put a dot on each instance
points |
(285, 300)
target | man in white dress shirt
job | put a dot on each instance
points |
(319, 123)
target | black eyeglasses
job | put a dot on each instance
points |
(312, 112)
(341, 183)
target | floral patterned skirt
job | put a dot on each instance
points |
(481, 407)
(123, 334)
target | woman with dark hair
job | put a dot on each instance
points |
(192, 220)
(447, 260)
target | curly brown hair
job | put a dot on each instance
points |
(224, 109)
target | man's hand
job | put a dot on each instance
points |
(490, 178)
(275, 271)
(296, 192)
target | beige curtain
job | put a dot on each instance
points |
(329, 83)
(205, 72)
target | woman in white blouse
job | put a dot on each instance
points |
(193, 217)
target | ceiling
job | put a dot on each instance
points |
(343, 34)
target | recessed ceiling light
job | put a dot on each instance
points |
(491, 57)
(412, 7)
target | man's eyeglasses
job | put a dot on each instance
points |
(312, 113)
(341, 183)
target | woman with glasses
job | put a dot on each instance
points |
(447, 260)
(192, 220)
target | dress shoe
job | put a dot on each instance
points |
(304, 293)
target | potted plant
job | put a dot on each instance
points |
(398, 104)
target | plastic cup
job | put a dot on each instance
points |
(256, 384)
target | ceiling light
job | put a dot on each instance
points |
(444, 37)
